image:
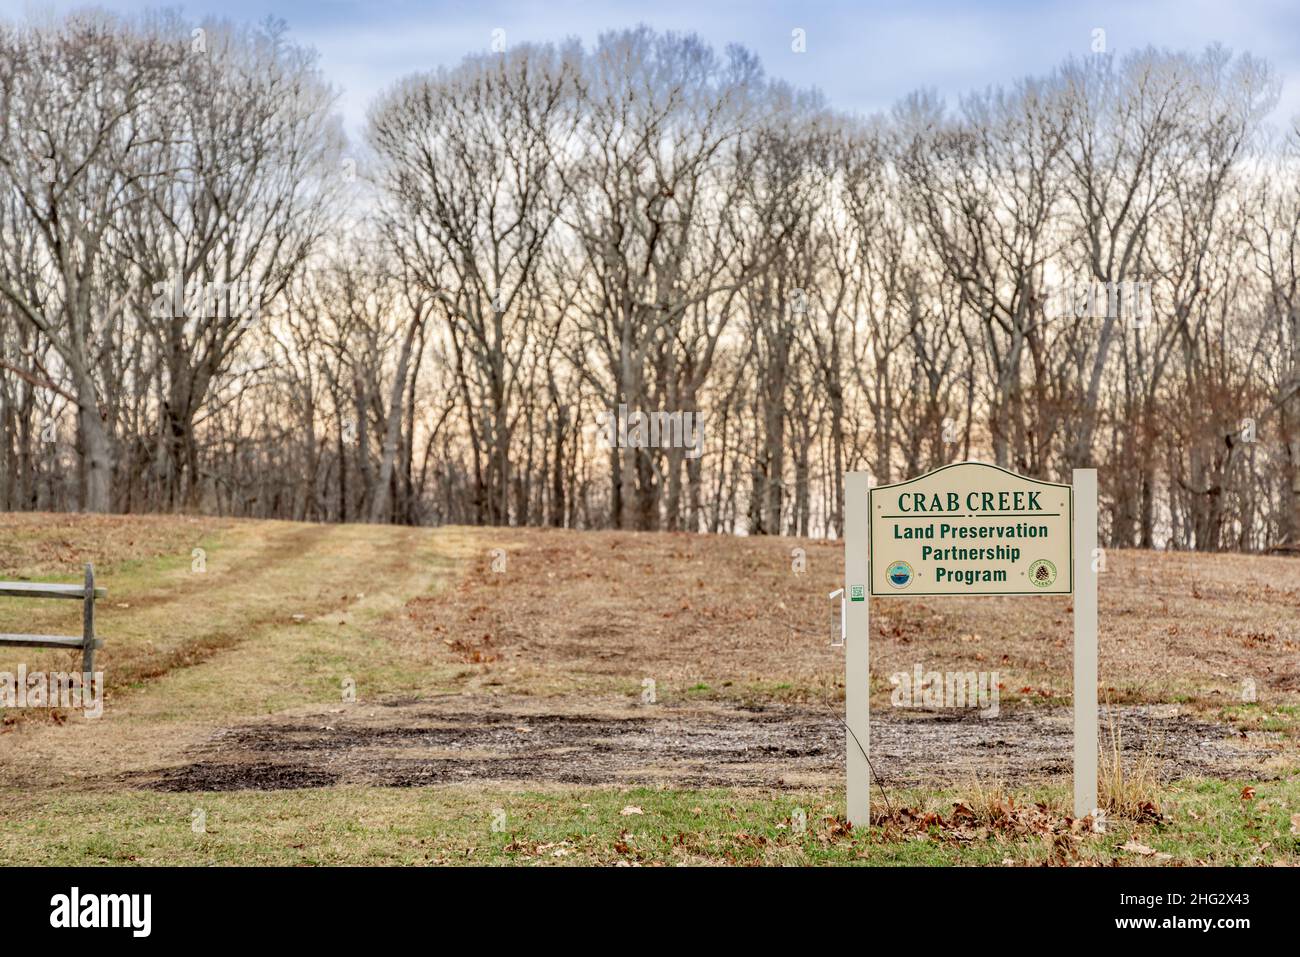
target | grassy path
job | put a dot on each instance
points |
(280, 615)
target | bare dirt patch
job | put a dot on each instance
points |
(473, 738)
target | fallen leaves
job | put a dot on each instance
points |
(548, 849)
(1147, 813)
(1006, 820)
(482, 651)
(1136, 847)
(835, 828)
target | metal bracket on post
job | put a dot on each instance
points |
(838, 641)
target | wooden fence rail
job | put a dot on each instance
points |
(86, 593)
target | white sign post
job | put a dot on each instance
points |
(969, 529)
(1085, 641)
(857, 647)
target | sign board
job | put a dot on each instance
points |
(971, 529)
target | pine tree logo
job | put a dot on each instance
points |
(1042, 573)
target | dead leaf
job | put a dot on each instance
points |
(630, 810)
(1137, 848)
(961, 811)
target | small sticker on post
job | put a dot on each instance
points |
(857, 593)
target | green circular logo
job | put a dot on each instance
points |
(1042, 573)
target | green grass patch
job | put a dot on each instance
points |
(1205, 822)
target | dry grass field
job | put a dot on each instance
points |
(366, 694)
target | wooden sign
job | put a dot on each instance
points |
(971, 529)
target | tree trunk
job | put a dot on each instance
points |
(392, 428)
(96, 451)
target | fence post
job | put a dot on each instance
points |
(88, 627)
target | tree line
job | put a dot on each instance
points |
(637, 285)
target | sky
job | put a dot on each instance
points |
(863, 56)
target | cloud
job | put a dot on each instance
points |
(863, 57)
